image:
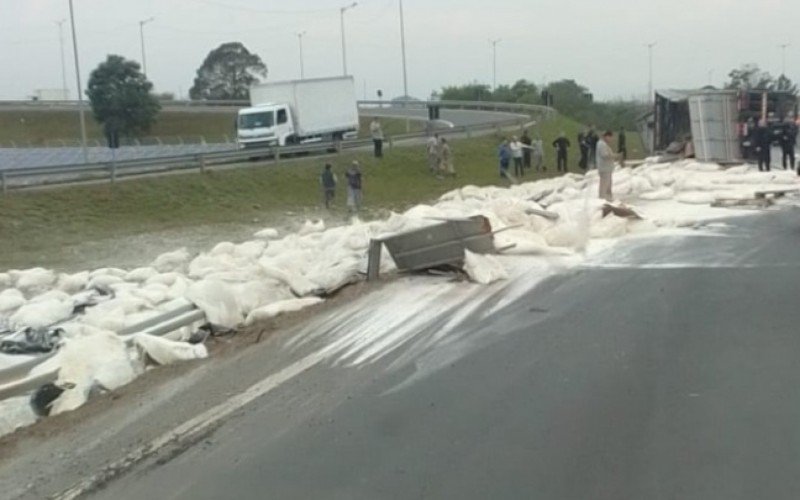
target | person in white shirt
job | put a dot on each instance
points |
(516, 155)
(605, 161)
(376, 131)
(432, 148)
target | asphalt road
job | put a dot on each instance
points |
(665, 371)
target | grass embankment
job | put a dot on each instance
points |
(40, 127)
(36, 226)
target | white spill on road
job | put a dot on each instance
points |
(424, 321)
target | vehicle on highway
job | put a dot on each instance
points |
(298, 112)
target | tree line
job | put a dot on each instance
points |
(123, 101)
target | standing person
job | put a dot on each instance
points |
(622, 144)
(353, 175)
(538, 154)
(376, 130)
(788, 143)
(583, 162)
(432, 149)
(504, 154)
(526, 149)
(763, 142)
(562, 145)
(591, 141)
(605, 165)
(446, 158)
(516, 155)
(328, 182)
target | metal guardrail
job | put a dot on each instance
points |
(74, 173)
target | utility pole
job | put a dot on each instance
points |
(344, 45)
(300, 41)
(494, 62)
(141, 38)
(403, 50)
(78, 80)
(783, 47)
(650, 78)
(63, 61)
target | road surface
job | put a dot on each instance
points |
(664, 369)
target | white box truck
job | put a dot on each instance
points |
(299, 111)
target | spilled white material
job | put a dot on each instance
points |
(236, 283)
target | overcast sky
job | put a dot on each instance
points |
(599, 43)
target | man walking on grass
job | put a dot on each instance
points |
(605, 160)
(353, 175)
(328, 182)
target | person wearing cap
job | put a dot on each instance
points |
(605, 160)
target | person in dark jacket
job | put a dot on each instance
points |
(526, 149)
(622, 144)
(354, 197)
(788, 144)
(328, 182)
(763, 142)
(583, 162)
(561, 144)
(591, 142)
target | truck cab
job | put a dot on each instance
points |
(265, 125)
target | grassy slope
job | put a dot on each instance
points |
(35, 127)
(42, 222)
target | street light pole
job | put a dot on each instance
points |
(78, 80)
(141, 38)
(63, 62)
(403, 49)
(302, 67)
(650, 73)
(344, 46)
(783, 47)
(494, 62)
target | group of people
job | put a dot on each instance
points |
(440, 157)
(596, 151)
(328, 181)
(525, 152)
(761, 139)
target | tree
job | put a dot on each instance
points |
(121, 98)
(469, 92)
(227, 73)
(749, 77)
(785, 84)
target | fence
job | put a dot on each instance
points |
(21, 177)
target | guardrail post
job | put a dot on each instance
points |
(391, 142)
(113, 171)
(276, 154)
(201, 160)
(3, 181)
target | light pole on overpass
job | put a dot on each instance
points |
(63, 61)
(403, 49)
(650, 70)
(78, 80)
(141, 38)
(494, 62)
(302, 67)
(344, 45)
(783, 47)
